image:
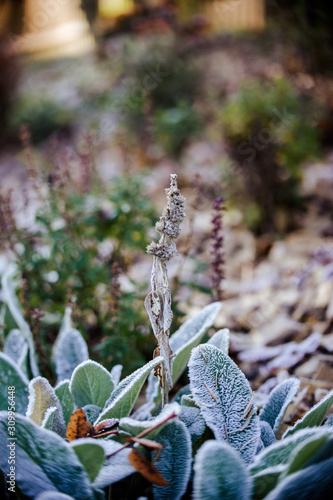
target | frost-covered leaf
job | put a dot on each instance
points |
(124, 396)
(221, 340)
(45, 462)
(185, 390)
(313, 482)
(134, 427)
(41, 397)
(277, 403)
(279, 452)
(325, 452)
(91, 384)
(91, 454)
(266, 433)
(12, 376)
(66, 323)
(69, 350)
(313, 417)
(260, 443)
(116, 467)
(47, 422)
(219, 472)
(174, 462)
(10, 298)
(329, 421)
(53, 495)
(116, 374)
(308, 450)
(92, 412)
(190, 335)
(65, 399)
(194, 421)
(265, 480)
(224, 396)
(16, 347)
(182, 342)
(14, 344)
(188, 400)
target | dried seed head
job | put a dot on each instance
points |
(168, 225)
(158, 301)
(162, 250)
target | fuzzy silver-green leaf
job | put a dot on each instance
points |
(174, 462)
(224, 396)
(12, 376)
(219, 472)
(91, 384)
(44, 461)
(123, 398)
(277, 403)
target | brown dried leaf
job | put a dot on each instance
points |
(106, 425)
(78, 427)
(148, 443)
(146, 468)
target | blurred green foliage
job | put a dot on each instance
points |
(82, 241)
(173, 127)
(9, 79)
(271, 131)
(306, 26)
(161, 98)
(43, 116)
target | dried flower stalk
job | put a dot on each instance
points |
(158, 301)
(217, 249)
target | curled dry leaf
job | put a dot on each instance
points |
(146, 468)
(147, 443)
(106, 425)
(78, 427)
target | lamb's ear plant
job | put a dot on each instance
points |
(26, 341)
(42, 399)
(277, 403)
(189, 335)
(12, 376)
(69, 350)
(225, 398)
(174, 461)
(81, 440)
(17, 349)
(220, 473)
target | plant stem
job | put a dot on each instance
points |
(144, 433)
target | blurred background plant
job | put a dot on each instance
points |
(307, 29)
(163, 87)
(43, 115)
(9, 81)
(271, 130)
(83, 238)
(225, 90)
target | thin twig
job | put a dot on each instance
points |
(203, 353)
(143, 433)
(245, 423)
(210, 392)
(247, 409)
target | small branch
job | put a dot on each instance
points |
(143, 433)
(210, 392)
(204, 357)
